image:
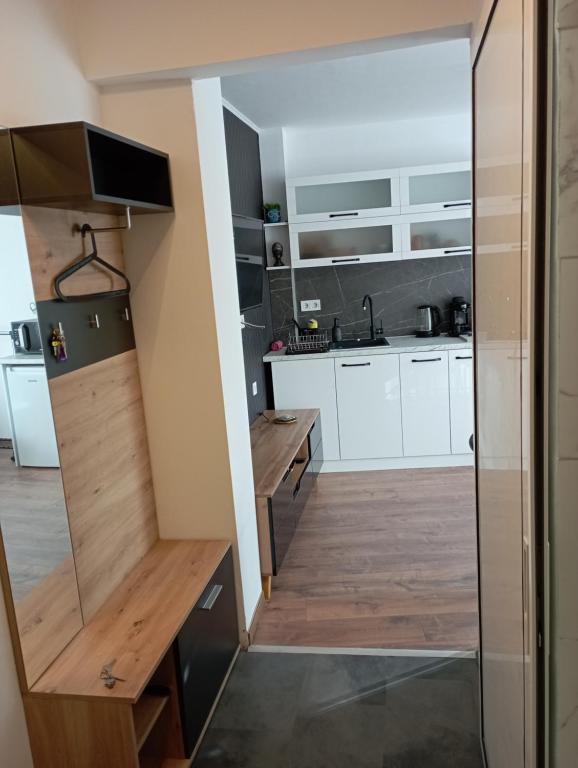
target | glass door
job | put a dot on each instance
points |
(433, 236)
(344, 197)
(446, 188)
(349, 242)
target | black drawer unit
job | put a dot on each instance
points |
(205, 648)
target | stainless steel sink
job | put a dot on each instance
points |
(359, 343)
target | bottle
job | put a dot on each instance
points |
(336, 333)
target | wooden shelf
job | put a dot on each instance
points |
(157, 597)
(146, 712)
(274, 447)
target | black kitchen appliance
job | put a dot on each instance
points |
(459, 316)
(428, 321)
(26, 337)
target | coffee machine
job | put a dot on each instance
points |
(460, 322)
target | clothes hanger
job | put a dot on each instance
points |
(84, 262)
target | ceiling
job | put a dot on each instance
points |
(405, 83)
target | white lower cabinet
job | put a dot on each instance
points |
(369, 406)
(425, 403)
(461, 400)
(310, 384)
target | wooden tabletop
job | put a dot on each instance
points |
(274, 447)
(136, 627)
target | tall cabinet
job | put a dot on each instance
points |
(245, 187)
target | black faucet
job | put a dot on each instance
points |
(367, 299)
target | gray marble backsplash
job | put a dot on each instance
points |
(397, 289)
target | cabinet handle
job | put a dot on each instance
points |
(457, 251)
(211, 598)
(463, 357)
(428, 360)
(354, 365)
(338, 215)
(458, 205)
(341, 261)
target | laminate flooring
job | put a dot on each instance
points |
(380, 560)
(34, 523)
(284, 710)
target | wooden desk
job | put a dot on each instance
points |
(286, 461)
(142, 632)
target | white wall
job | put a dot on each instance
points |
(218, 218)
(16, 293)
(311, 151)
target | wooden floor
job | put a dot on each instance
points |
(380, 560)
(34, 523)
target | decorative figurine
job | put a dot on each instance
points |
(277, 251)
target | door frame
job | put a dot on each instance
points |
(540, 194)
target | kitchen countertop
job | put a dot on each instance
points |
(22, 360)
(397, 344)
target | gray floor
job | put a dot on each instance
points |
(335, 711)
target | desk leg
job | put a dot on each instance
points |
(266, 582)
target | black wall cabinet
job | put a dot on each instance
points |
(80, 166)
(244, 164)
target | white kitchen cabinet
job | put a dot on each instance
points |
(461, 400)
(425, 403)
(343, 196)
(431, 235)
(346, 242)
(310, 384)
(369, 406)
(436, 188)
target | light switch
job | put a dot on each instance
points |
(311, 305)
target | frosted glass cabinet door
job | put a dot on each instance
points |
(348, 242)
(436, 189)
(428, 236)
(349, 196)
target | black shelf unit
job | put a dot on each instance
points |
(80, 166)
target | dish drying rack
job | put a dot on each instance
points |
(308, 344)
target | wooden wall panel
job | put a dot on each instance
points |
(53, 244)
(100, 427)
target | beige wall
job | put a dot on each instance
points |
(40, 82)
(172, 301)
(40, 78)
(149, 36)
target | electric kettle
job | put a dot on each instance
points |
(428, 321)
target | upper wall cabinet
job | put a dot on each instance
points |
(79, 166)
(342, 197)
(362, 241)
(244, 164)
(430, 235)
(436, 188)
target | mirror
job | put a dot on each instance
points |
(37, 564)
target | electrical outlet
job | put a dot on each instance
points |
(254, 388)
(311, 305)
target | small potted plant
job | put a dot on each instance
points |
(272, 213)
